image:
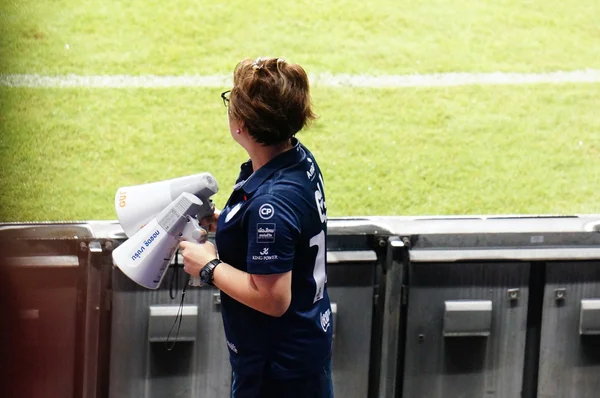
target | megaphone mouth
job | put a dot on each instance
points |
(137, 205)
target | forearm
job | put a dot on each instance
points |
(241, 286)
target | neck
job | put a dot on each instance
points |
(261, 155)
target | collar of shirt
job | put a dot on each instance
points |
(249, 182)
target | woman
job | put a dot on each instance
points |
(271, 240)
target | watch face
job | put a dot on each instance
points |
(204, 275)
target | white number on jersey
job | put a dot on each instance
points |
(319, 274)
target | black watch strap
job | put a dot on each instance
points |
(207, 272)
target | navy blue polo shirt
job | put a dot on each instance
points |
(275, 221)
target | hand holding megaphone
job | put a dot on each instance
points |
(195, 257)
(193, 232)
(210, 223)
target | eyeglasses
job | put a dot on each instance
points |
(225, 96)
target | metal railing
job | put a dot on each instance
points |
(426, 307)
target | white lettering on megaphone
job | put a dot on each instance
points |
(138, 253)
(122, 198)
(266, 211)
(151, 238)
(147, 243)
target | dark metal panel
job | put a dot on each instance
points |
(352, 342)
(139, 368)
(52, 334)
(569, 363)
(47, 298)
(491, 366)
(351, 270)
(351, 274)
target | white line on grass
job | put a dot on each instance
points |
(323, 79)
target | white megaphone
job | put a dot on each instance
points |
(138, 204)
(146, 255)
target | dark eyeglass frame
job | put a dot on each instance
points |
(225, 97)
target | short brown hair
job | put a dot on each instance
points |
(272, 98)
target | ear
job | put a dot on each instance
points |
(243, 129)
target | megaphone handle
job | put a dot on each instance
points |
(193, 232)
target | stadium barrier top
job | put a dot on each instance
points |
(444, 238)
(378, 225)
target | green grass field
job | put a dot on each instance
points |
(374, 37)
(527, 149)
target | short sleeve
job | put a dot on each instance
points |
(273, 231)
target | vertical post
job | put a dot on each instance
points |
(93, 303)
(392, 341)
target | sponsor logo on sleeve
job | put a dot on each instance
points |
(264, 255)
(265, 233)
(266, 211)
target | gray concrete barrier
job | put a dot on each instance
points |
(424, 307)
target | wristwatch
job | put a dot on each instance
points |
(207, 272)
